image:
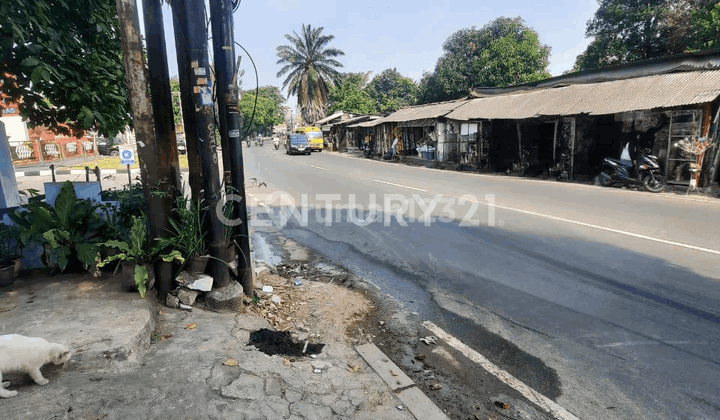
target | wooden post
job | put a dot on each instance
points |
(519, 134)
(555, 142)
(572, 148)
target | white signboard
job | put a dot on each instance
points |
(127, 157)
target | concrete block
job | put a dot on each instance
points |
(188, 296)
(420, 405)
(384, 367)
(201, 282)
(172, 301)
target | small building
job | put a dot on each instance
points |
(564, 126)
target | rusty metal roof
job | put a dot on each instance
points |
(372, 123)
(422, 112)
(611, 97)
(329, 118)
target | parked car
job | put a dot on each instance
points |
(107, 147)
(297, 143)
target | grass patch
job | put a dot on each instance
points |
(114, 163)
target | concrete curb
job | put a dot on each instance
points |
(416, 402)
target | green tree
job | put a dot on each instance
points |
(63, 61)
(504, 52)
(349, 94)
(625, 31)
(311, 69)
(265, 113)
(706, 27)
(429, 89)
(176, 104)
(391, 91)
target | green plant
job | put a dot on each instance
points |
(10, 244)
(69, 231)
(136, 248)
(186, 230)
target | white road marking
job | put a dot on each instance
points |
(646, 343)
(317, 167)
(542, 401)
(399, 185)
(607, 229)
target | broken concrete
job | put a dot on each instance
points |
(187, 296)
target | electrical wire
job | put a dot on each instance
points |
(257, 88)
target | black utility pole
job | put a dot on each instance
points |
(186, 99)
(226, 72)
(168, 166)
(197, 70)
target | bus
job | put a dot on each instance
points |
(314, 136)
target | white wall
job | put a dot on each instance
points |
(15, 129)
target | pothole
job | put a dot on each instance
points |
(280, 342)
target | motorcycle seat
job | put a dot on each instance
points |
(622, 162)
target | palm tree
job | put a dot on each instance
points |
(311, 70)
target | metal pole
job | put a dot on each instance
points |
(195, 34)
(167, 164)
(230, 125)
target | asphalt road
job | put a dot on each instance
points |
(603, 299)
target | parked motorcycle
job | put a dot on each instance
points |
(647, 173)
(369, 149)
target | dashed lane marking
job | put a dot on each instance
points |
(318, 167)
(399, 185)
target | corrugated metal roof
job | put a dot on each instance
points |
(328, 118)
(422, 112)
(372, 123)
(611, 97)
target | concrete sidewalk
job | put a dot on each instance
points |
(135, 359)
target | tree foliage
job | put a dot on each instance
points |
(391, 91)
(350, 95)
(705, 22)
(311, 69)
(175, 89)
(625, 31)
(63, 61)
(504, 52)
(267, 111)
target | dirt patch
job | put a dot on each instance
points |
(315, 310)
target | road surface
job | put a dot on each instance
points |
(602, 299)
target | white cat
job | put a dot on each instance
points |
(27, 354)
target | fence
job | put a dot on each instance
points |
(57, 150)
